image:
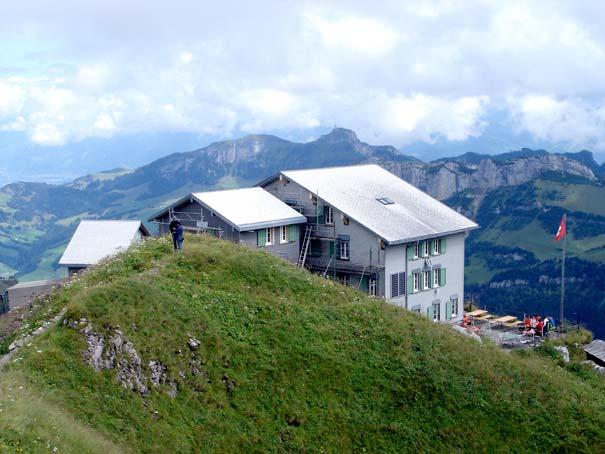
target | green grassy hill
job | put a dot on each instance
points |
(287, 362)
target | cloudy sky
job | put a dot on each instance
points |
(396, 72)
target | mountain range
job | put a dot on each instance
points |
(517, 198)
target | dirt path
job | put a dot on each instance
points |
(23, 341)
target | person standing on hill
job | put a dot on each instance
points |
(174, 223)
(179, 237)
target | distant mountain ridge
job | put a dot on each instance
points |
(36, 219)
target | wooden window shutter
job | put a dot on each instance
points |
(429, 312)
(443, 244)
(394, 285)
(442, 277)
(292, 232)
(410, 284)
(410, 252)
(331, 248)
(261, 237)
(448, 310)
(431, 277)
(401, 284)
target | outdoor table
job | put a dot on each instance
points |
(476, 313)
(503, 320)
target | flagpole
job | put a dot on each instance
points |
(563, 276)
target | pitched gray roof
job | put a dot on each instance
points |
(596, 348)
(34, 284)
(245, 209)
(355, 190)
(95, 240)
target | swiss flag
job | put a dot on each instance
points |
(562, 230)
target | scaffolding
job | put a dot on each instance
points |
(192, 222)
(317, 231)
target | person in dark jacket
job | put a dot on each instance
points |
(179, 237)
(174, 224)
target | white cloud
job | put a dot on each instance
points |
(572, 121)
(366, 36)
(396, 73)
(403, 119)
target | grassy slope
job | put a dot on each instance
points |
(353, 372)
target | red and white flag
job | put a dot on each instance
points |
(562, 230)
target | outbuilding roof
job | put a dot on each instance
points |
(383, 203)
(33, 284)
(95, 240)
(249, 208)
(596, 348)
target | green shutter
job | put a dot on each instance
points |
(429, 312)
(292, 232)
(331, 248)
(410, 287)
(410, 252)
(431, 247)
(320, 213)
(443, 243)
(261, 237)
(431, 279)
(363, 286)
(442, 277)
(448, 310)
(420, 281)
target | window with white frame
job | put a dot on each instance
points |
(436, 312)
(329, 215)
(416, 282)
(427, 247)
(343, 250)
(454, 302)
(437, 246)
(416, 249)
(283, 234)
(373, 287)
(268, 237)
(427, 279)
(436, 278)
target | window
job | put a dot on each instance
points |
(416, 249)
(283, 234)
(416, 282)
(426, 248)
(343, 279)
(345, 220)
(373, 286)
(427, 279)
(343, 250)
(436, 278)
(329, 215)
(385, 201)
(268, 237)
(437, 246)
(454, 302)
(397, 285)
(436, 312)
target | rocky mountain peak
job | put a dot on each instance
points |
(339, 135)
